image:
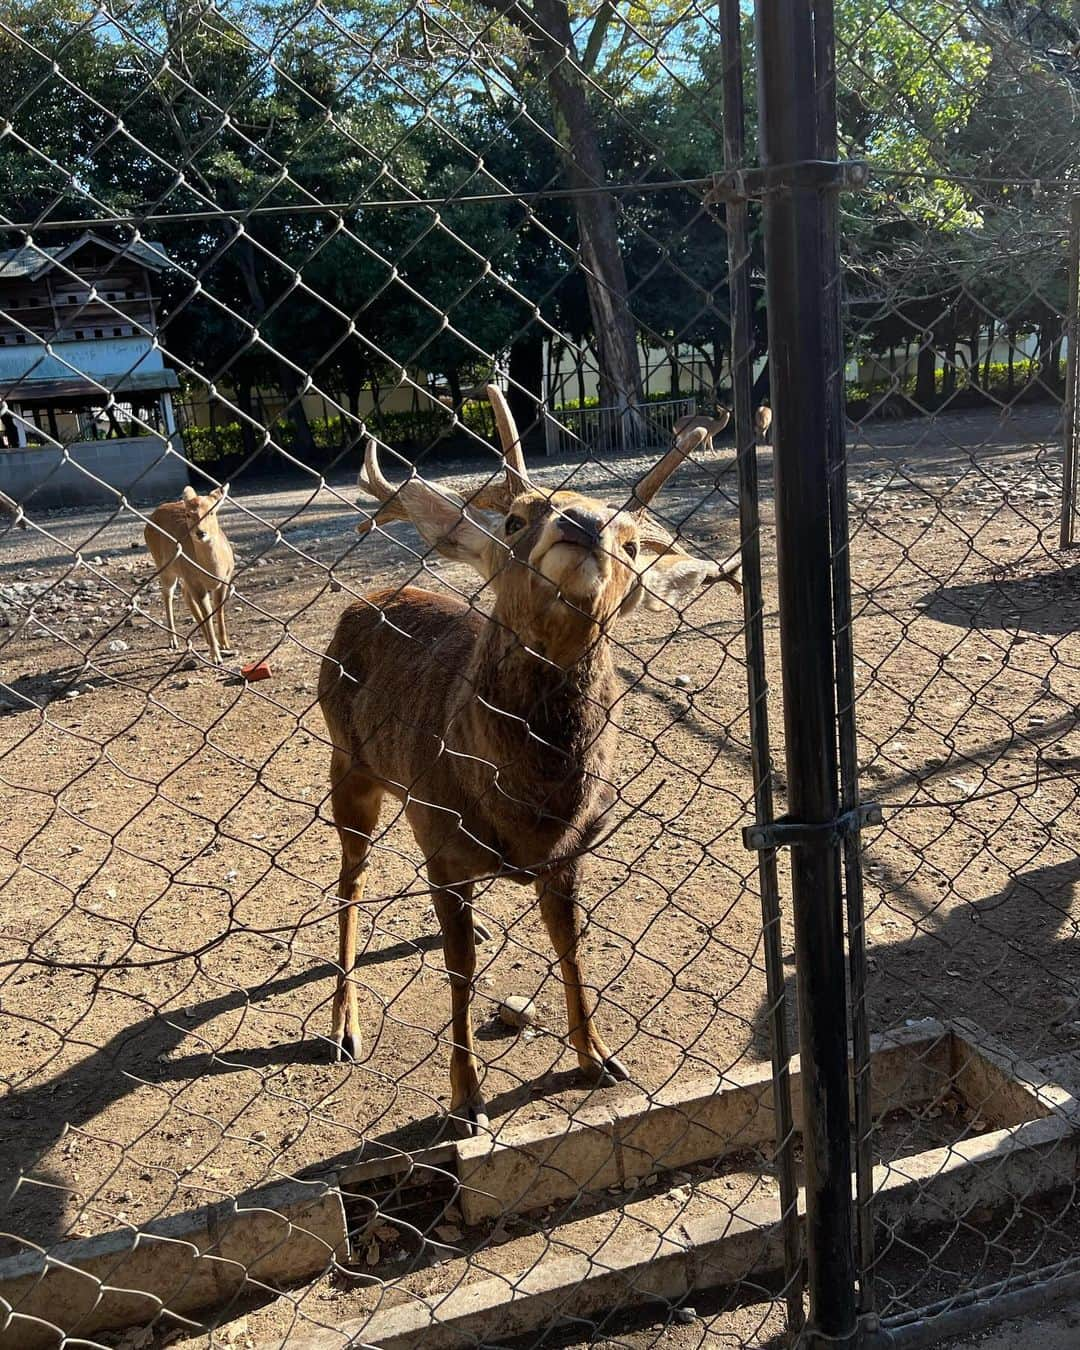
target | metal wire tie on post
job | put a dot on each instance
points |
(784, 830)
(836, 175)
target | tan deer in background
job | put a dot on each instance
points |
(762, 424)
(190, 550)
(494, 731)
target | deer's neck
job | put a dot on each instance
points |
(545, 725)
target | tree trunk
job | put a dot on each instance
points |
(526, 392)
(1046, 348)
(303, 440)
(924, 375)
(948, 379)
(598, 236)
(763, 386)
(717, 368)
(243, 402)
(989, 359)
(673, 363)
(973, 363)
(453, 379)
(579, 371)
(1011, 385)
(1055, 381)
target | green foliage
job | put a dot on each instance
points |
(403, 431)
(930, 91)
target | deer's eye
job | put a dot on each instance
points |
(513, 524)
(631, 548)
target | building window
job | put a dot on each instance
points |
(99, 333)
(118, 332)
(20, 338)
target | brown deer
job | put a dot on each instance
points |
(189, 549)
(762, 424)
(493, 730)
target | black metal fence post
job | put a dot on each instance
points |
(799, 288)
(742, 379)
(1071, 421)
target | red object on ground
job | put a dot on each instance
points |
(259, 671)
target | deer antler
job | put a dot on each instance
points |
(493, 497)
(690, 432)
(394, 501)
(372, 481)
(498, 497)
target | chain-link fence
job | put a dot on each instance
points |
(537, 278)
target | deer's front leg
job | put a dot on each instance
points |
(561, 913)
(454, 908)
(220, 596)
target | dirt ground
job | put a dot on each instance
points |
(167, 865)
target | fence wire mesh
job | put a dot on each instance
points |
(958, 313)
(241, 240)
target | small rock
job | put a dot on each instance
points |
(447, 1232)
(517, 1011)
(684, 1316)
(335, 585)
(117, 645)
(683, 681)
(258, 1137)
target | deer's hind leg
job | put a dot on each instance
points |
(453, 905)
(561, 912)
(355, 801)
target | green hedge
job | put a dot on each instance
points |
(411, 431)
(399, 429)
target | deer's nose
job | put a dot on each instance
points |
(579, 525)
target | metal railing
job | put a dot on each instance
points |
(573, 431)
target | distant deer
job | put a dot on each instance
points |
(189, 549)
(493, 731)
(762, 424)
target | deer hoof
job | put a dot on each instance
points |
(483, 933)
(345, 1048)
(606, 1072)
(471, 1118)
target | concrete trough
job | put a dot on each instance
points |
(292, 1233)
(1032, 1146)
(279, 1235)
(626, 1138)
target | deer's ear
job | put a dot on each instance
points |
(669, 580)
(448, 525)
(189, 494)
